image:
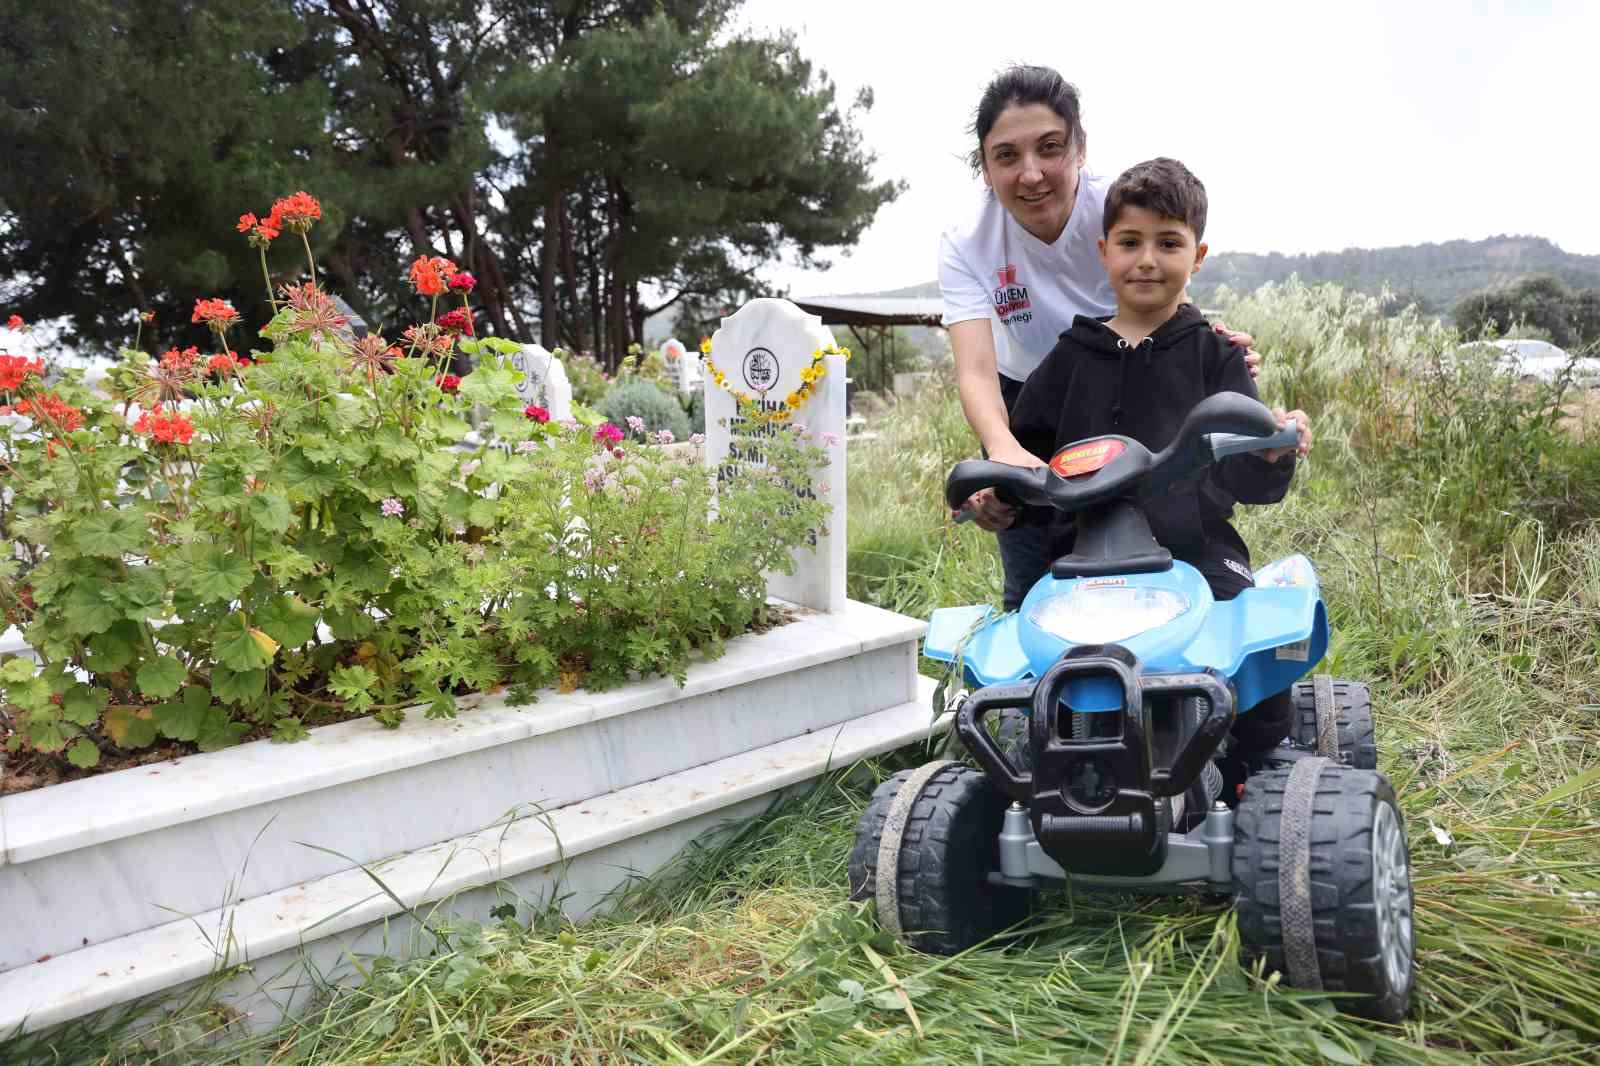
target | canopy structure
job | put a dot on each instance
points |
(874, 310)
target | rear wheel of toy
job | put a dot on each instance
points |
(1322, 883)
(948, 842)
(1344, 724)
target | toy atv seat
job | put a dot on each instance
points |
(1114, 688)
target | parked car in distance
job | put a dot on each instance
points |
(1539, 360)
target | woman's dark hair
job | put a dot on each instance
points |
(1026, 85)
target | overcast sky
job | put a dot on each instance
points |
(1314, 127)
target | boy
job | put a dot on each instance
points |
(1138, 373)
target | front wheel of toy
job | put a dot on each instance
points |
(1322, 882)
(937, 829)
(1342, 722)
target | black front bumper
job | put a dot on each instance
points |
(1093, 802)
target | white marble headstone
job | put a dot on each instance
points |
(544, 381)
(762, 349)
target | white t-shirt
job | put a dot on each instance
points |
(990, 267)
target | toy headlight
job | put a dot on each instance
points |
(1099, 614)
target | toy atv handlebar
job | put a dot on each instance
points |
(1100, 469)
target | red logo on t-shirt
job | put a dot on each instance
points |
(1009, 296)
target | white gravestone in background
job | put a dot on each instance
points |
(761, 350)
(544, 381)
(684, 364)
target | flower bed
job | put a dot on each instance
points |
(172, 571)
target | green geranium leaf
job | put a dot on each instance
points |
(83, 753)
(218, 730)
(481, 511)
(233, 686)
(288, 620)
(130, 728)
(305, 479)
(110, 533)
(489, 383)
(89, 610)
(182, 720)
(269, 512)
(82, 704)
(18, 670)
(502, 345)
(161, 677)
(236, 646)
(142, 593)
(44, 733)
(113, 649)
(213, 573)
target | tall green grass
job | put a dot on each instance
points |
(1472, 608)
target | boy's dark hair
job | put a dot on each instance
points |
(1026, 85)
(1164, 186)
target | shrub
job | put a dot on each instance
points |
(588, 378)
(282, 540)
(647, 403)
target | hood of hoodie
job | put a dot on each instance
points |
(1099, 338)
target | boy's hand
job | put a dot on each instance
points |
(1252, 358)
(987, 509)
(1302, 422)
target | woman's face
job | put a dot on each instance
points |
(1033, 168)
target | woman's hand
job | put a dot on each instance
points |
(987, 509)
(1252, 358)
(1302, 423)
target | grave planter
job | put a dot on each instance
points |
(145, 880)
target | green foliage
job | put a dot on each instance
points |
(642, 399)
(184, 561)
(1569, 317)
(589, 380)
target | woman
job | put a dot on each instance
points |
(1016, 272)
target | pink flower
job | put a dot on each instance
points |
(829, 439)
(697, 438)
(617, 453)
(635, 423)
(463, 282)
(606, 434)
(392, 507)
(527, 447)
(665, 437)
(593, 478)
(534, 413)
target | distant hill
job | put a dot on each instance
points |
(1434, 276)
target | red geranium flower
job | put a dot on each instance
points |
(247, 222)
(457, 321)
(165, 428)
(180, 362)
(297, 212)
(431, 274)
(224, 364)
(52, 407)
(448, 382)
(534, 413)
(13, 368)
(14, 322)
(463, 282)
(216, 313)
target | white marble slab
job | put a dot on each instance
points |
(628, 832)
(98, 859)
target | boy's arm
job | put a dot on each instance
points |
(1249, 478)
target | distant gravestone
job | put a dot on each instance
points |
(544, 381)
(762, 349)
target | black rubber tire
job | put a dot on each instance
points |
(1353, 701)
(1346, 914)
(949, 845)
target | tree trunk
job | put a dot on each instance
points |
(549, 311)
(616, 269)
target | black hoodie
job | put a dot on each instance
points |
(1093, 382)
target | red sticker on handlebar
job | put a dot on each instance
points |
(1084, 459)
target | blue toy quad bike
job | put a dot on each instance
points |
(1112, 691)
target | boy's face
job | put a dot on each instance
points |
(1149, 259)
